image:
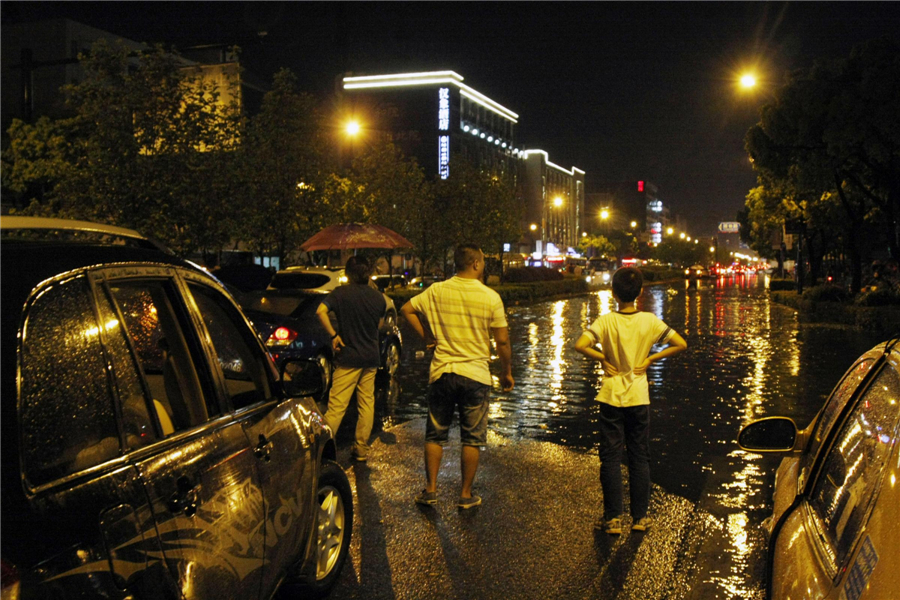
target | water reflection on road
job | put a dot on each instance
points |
(747, 357)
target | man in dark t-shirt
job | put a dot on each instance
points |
(359, 309)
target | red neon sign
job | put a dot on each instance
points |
(640, 186)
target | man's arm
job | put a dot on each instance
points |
(504, 351)
(413, 317)
(322, 312)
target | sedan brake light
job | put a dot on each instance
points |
(283, 336)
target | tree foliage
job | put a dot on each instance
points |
(473, 206)
(148, 148)
(680, 252)
(285, 171)
(828, 149)
(597, 245)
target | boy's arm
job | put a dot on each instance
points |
(676, 345)
(585, 345)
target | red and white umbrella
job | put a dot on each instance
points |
(352, 236)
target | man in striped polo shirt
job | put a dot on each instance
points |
(461, 315)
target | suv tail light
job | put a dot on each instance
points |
(9, 581)
(283, 336)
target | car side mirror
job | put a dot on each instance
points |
(772, 434)
(302, 377)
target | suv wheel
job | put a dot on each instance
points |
(334, 524)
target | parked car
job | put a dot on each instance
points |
(383, 282)
(696, 272)
(287, 322)
(245, 278)
(424, 281)
(322, 279)
(150, 448)
(837, 498)
(288, 326)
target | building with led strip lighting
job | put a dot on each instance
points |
(436, 118)
(554, 203)
(433, 116)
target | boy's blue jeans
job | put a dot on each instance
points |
(627, 426)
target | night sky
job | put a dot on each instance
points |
(624, 91)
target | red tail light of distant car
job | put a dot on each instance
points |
(282, 336)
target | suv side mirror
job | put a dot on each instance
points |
(302, 377)
(772, 434)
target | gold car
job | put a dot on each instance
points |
(837, 494)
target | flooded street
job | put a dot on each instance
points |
(747, 357)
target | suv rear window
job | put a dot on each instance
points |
(303, 281)
(67, 418)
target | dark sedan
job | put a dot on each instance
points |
(287, 322)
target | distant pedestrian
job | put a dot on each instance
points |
(461, 315)
(622, 342)
(359, 309)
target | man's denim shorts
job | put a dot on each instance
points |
(448, 393)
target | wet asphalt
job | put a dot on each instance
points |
(532, 537)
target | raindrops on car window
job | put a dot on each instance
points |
(67, 413)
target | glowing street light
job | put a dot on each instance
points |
(533, 227)
(633, 224)
(748, 81)
(558, 201)
(670, 231)
(604, 214)
(681, 235)
(352, 128)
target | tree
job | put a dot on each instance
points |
(597, 245)
(471, 206)
(284, 171)
(386, 188)
(148, 148)
(831, 138)
(680, 252)
(38, 157)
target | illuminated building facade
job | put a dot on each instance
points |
(436, 118)
(39, 57)
(554, 204)
(433, 117)
(632, 202)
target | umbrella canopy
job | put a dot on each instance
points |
(351, 236)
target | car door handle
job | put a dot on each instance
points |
(185, 499)
(263, 450)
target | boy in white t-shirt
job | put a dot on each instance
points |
(622, 342)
